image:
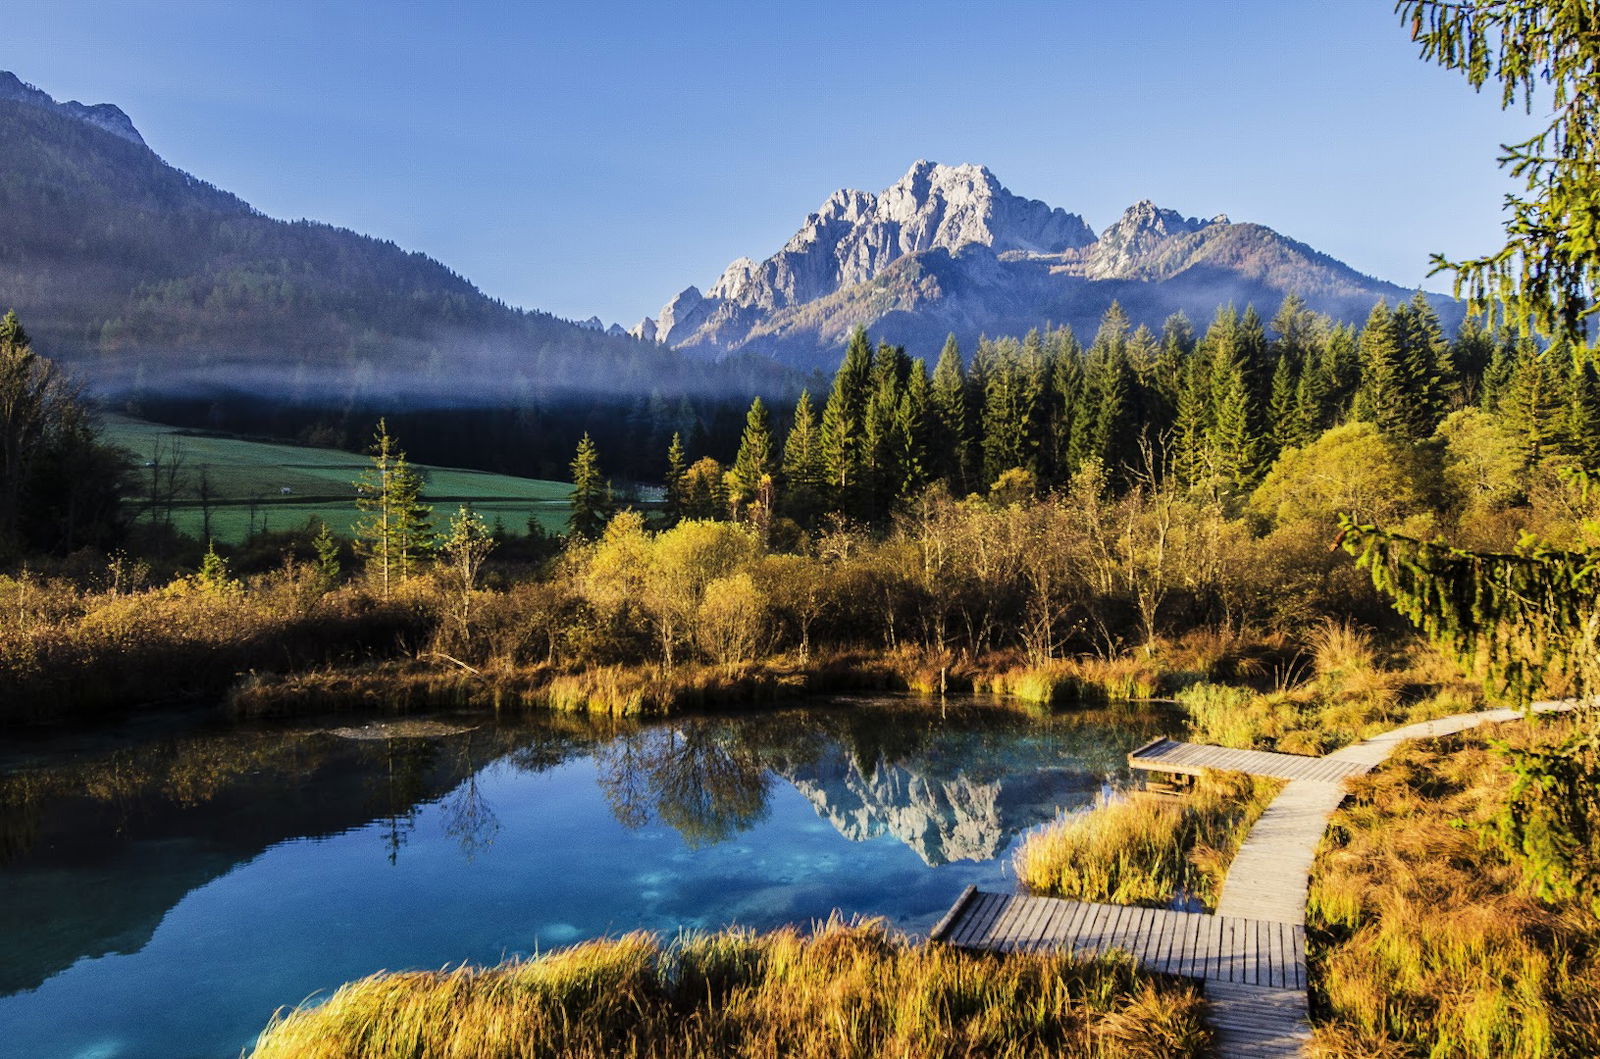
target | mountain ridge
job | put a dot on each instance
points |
(988, 261)
(148, 277)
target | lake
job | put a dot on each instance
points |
(165, 887)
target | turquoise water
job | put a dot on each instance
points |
(163, 892)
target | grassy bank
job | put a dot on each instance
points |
(1146, 850)
(1423, 939)
(846, 991)
(1339, 690)
(434, 682)
(67, 655)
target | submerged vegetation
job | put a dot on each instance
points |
(1144, 849)
(846, 990)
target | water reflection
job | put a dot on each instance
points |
(99, 844)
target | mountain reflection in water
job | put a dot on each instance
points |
(500, 835)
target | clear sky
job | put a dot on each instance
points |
(595, 158)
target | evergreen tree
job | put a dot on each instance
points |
(805, 478)
(913, 447)
(1233, 446)
(1583, 415)
(415, 519)
(752, 468)
(677, 465)
(950, 455)
(590, 499)
(881, 473)
(1284, 426)
(844, 426)
(1342, 370)
(1534, 406)
(1388, 393)
(1439, 384)
(394, 531)
(1191, 425)
(1065, 386)
(1311, 401)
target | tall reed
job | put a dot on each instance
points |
(1147, 850)
(846, 991)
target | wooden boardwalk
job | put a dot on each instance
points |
(1212, 948)
(1251, 953)
(1193, 759)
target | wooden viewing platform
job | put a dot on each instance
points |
(1251, 954)
(1195, 759)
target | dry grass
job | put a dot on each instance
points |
(848, 991)
(436, 682)
(1349, 692)
(1424, 942)
(1076, 682)
(1146, 850)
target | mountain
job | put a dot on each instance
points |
(143, 275)
(948, 249)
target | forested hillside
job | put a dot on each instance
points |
(149, 277)
(1209, 412)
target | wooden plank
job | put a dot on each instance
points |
(1002, 923)
(1196, 941)
(949, 918)
(1049, 931)
(961, 934)
(1172, 949)
(1077, 924)
(1028, 924)
(979, 919)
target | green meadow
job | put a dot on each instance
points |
(271, 486)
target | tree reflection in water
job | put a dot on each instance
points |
(699, 778)
(468, 817)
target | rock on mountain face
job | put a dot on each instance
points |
(101, 115)
(948, 249)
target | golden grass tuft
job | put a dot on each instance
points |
(1147, 850)
(846, 991)
(1423, 940)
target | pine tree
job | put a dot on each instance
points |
(1342, 370)
(1065, 385)
(1011, 423)
(677, 465)
(805, 479)
(384, 493)
(1534, 406)
(752, 468)
(1232, 442)
(1583, 415)
(1283, 423)
(880, 472)
(1310, 405)
(590, 499)
(1387, 395)
(913, 447)
(414, 518)
(844, 426)
(1433, 367)
(1191, 424)
(950, 454)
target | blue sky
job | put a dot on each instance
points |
(596, 158)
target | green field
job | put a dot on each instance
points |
(247, 480)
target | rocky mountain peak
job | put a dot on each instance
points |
(1140, 228)
(855, 235)
(101, 115)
